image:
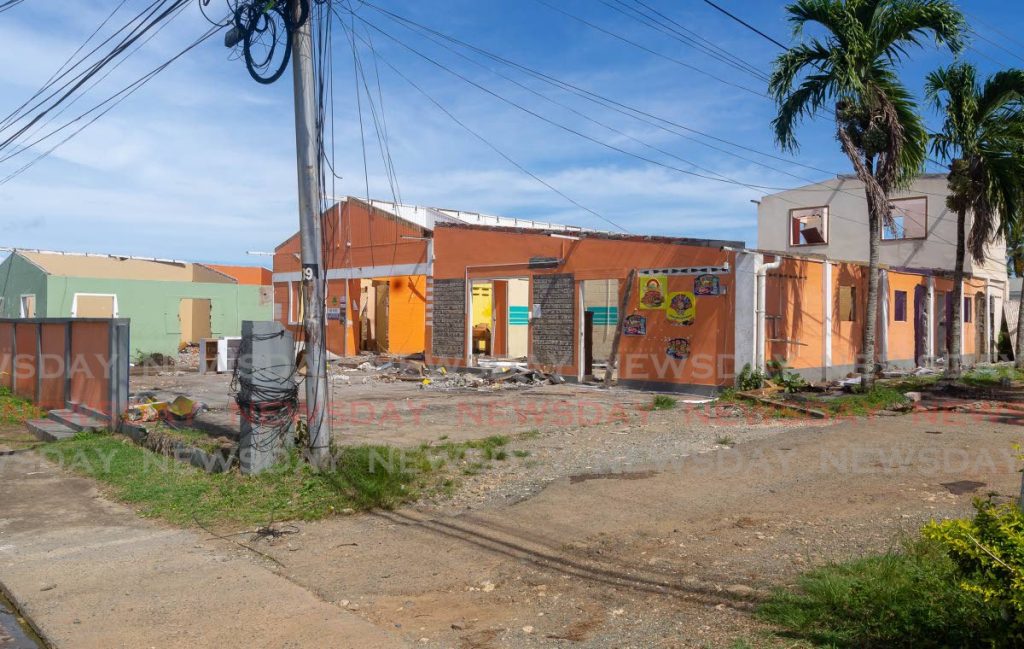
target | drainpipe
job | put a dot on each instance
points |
(761, 273)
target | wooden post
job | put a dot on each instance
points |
(627, 295)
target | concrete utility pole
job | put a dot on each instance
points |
(311, 237)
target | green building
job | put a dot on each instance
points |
(169, 303)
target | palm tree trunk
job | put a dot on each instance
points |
(867, 357)
(954, 360)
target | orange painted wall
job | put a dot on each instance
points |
(250, 275)
(902, 334)
(407, 310)
(504, 253)
(358, 236)
(794, 292)
(847, 337)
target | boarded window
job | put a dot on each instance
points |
(967, 309)
(28, 306)
(847, 303)
(93, 306)
(909, 219)
(900, 306)
(808, 226)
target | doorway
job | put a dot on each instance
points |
(195, 316)
(500, 318)
(600, 321)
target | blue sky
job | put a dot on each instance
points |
(199, 163)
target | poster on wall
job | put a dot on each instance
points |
(678, 348)
(653, 291)
(706, 285)
(634, 325)
(682, 308)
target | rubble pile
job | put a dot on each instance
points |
(381, 370)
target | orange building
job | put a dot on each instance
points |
(461, 287)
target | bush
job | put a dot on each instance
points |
(988, 552)
(791, 382)
(907, 599)
(663, 402)
(750, 379)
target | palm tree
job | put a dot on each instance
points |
(853, 71)
(982, 139)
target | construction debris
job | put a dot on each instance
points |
(490, 376)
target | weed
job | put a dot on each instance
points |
(15, 410)
(663, 402)
(907, 599)
(521, 453)
(750, 379)
(879, 397)
(530, 434)
(725, 440)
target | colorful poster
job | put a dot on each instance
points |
(653, 291)
(678, 348)
(706, 285)
(634, 325)
(682, 308)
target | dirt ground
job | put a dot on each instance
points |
(610, 525)
(649, 535)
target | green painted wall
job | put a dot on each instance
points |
(152, 307)
(18, 277)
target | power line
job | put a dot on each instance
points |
(114, 101)
(660, 23)
(643, 47)
(105, 60)
(563, 127)
(604, 101)
(494, 147)
(746, 24)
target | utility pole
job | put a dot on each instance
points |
(311, 238)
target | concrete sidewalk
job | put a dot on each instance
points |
(90, 573)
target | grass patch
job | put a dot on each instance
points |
(989, 377)
(164, 436)
(365, 477)
(521, 453)
(663, 402)
(725, 440)
(906, 599)
(15, 410)
(529, 434)
(859, 404)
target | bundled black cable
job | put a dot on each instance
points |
(272, 406)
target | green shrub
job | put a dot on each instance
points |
(791, 382)
(750, 379)
(906, 599)
(988, 552)
(663, 402)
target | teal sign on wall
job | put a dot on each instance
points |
(519, 315)
(604, 315)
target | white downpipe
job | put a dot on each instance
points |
(761, 308)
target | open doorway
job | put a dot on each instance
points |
(600, 320)
(500, 318)
(195, 315)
